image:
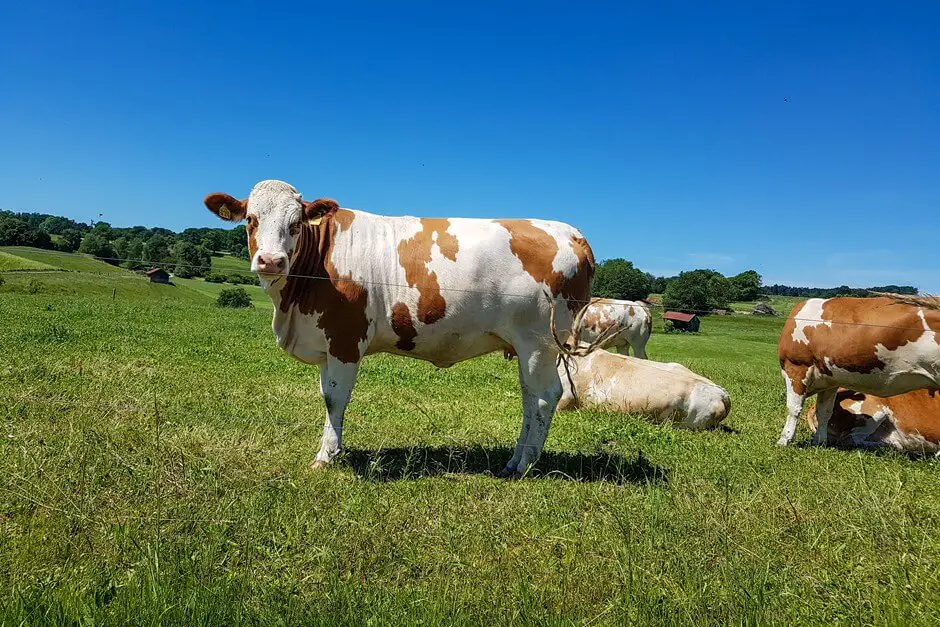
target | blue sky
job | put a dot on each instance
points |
(801, 139)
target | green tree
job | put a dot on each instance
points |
(617, 278)
(157, 250)
(745, 286)
(69, 240)
(697, 290)
(97, 245)
(135, 251)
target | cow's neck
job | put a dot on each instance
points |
(309, 276)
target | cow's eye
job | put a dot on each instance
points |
(295, 228)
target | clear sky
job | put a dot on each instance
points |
(801, 139)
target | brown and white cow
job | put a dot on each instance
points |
(907, 422)
(882, 346)
(633, 320)
(666, 392)
(346, 284)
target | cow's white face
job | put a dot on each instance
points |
(274, 212)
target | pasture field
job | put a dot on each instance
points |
(212, 290)
(10, 261)
(153, 469)
(62, 261)
(229, 264)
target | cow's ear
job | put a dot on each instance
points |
(320, 207)
(227, 207)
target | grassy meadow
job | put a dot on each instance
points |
(153, 469)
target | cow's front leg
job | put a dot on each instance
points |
(336, 383)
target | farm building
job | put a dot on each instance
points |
(683, 321)
(158, 275)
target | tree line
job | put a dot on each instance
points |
(189, 253)
(185, 254)
(707, 290)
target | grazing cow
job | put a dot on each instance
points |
(663, 391)
(633, 319)
(882, 346)
(346, 284)
(907, 422)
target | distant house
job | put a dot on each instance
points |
(158, 275)
(683, 321)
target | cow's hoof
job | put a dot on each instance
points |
(509, 472)
(318, 464)
(783, 442)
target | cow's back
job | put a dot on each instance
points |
(446, 290)
(868, 342)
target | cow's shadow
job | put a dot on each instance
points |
(402, 464)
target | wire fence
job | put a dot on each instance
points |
(360, 281)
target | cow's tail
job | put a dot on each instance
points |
(573, 347)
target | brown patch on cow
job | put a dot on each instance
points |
(592, 320)
(577, 289)
(537, 249)
(315, 286)
(797, 375)
(916, 412)
(344, 218)
(319, 207)
(859, 326)
(631, 311)
(414, 255)
(403, 326)
(649, 321)
(250, 228)
(226, 207)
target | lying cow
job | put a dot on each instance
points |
(907, 422)
(346, 284)
(663, 391)
(882, 346)
(633, 320)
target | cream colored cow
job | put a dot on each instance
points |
(666, 392)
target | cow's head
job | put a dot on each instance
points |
(275, 212)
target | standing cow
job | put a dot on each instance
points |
(882, 346)
(346, 284)
(907, 422)
(633, 320)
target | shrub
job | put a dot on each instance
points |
(243, 279)
(2, 280)
(233, 297)
(216, 277)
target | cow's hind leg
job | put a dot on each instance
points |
(639, 349)
(336, 384)
(825, 404)
(794, 409)
(541, 389)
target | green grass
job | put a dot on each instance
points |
(228, 264)
(153, 468)
(10, 262)
(212, 290)
(62, 261)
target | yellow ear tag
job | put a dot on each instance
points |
(224, 213)
(315, 222)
